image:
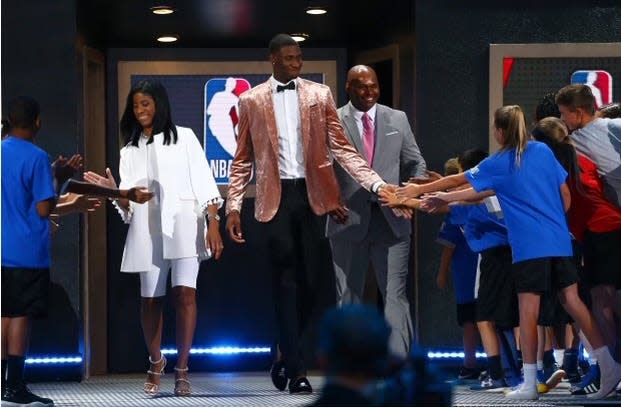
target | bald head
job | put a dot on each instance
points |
(362, 87)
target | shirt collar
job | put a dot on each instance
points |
(358, 114)
(274, 83)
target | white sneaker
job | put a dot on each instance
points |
(523, 393)
(608, 382)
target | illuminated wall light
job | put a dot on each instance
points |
(225, 350)
(168, 38)
(299, 37)
(162, 10)
(316, 11)
(50, 360)
(446, 355)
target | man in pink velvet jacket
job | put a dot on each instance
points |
(289, 130)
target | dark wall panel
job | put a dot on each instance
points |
(452, 77)
(42, 64)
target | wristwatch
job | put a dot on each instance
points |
(211, 216)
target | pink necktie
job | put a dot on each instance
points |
(368, 137)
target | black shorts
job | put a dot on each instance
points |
(541, 275)
(466, 313)
(602, 258)
(497, 298)
(25, 292)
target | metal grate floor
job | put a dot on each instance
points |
(252, 389)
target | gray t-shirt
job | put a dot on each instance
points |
(600, 141)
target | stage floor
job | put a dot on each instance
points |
(250, 389)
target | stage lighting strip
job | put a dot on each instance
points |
(222, 351)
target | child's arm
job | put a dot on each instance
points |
(70, 202)
(445, 263)
(566, 195)
(415, 190)
(45, 207)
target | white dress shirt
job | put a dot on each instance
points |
(287, 112)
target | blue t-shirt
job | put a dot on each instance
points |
(464, 261)
(26, 180)
(482, 229)
(530, 198)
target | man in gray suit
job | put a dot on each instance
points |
(369, 232)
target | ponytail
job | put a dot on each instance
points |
(510, 119)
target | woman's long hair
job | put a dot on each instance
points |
(553, 132)
(162, 120)
(510, 119)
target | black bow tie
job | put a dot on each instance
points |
(290, 85)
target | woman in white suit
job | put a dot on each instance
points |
(168, 232)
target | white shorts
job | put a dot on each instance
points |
(184, 273)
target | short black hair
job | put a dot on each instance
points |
(23, 112)
(279, 41)
(547, 107)
(354, 339)
(471, 157)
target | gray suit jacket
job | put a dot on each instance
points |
(396, 158)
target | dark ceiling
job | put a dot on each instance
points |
(244, 23)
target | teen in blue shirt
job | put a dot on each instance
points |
(530, 185)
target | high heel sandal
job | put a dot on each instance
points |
(149, 387)
(183, 388)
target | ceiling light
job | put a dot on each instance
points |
(316, 11)
(162, 10)
(168, 38)
(299, 37)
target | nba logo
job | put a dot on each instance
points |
(600, 83)
(221, 120)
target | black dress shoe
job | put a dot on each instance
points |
(279, 377)
(300, 386)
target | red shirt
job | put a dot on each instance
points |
(590, 210)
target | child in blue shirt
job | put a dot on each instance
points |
(462, 263)
(530, 186)
(28, 198)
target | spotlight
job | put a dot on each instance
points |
(168, 38)
(299, 37)
(316, 11)
(162, 10)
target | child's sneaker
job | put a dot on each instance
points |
(489, 383)
(589, 384)
(22, 396)
(523, 393)
(466, 373)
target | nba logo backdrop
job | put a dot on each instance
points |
(600, 83)
(221, 121)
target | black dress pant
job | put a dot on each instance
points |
(297, 249)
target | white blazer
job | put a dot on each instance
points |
(186, 187)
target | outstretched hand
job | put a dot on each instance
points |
(431, 202)
(107, 181)
(409, 190)
(64, 168)
(139, 195)
(82, 203)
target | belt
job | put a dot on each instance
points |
(293, 182)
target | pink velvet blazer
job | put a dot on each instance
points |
(322, 140)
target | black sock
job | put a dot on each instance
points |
(495, 367)
(548, 358)
(15, 370)
(4, 370)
